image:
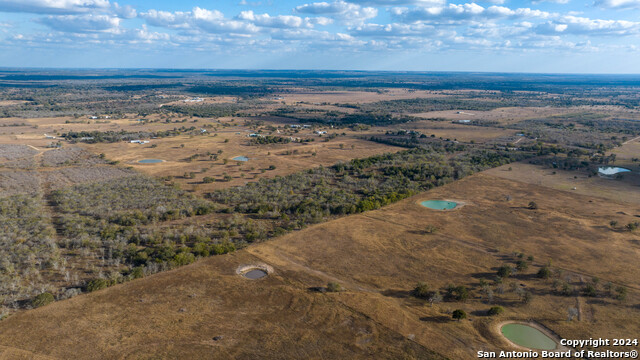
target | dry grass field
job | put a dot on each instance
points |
(206, 310)
(622, 190)
(378, 257)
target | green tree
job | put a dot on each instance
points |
(421, 291)
(495, 310)
(505, 271)
(544, 272)
(43, 299)
(459, 314)
(97, 284)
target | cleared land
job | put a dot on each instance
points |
(195, 303)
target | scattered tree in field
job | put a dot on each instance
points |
(621, 293)
(334, 287)
(435, 298)
(522, 265)
(505, 271)
(457, 293)
(495, 310)
(421, 291)
(532, 205)
(589, 290)
(459, 314)
(544, 272)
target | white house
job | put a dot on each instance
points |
(140, 142)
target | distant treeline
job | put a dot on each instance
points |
(122, 135)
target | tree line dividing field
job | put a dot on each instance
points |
(102, 232)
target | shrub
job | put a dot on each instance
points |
(457, 293)
(137, 272)
(430, 229)
(421, 291)
(533, 205)
(522, 265)
(544, 272)
(334, 287)
(495, 310)
(589, 290)
(97, 284)
(459, 314)
(505, 271)
(43, 299)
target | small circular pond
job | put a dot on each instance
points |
(527, 336)
(612, 170)
(255, 274)
(240, 158)
(150, 161)
(254, 271)
(439, 204)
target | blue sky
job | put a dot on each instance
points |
(560, 36)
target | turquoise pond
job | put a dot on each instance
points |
(150, 161)
(240, 158)
(527, 336)
(610, 170)
(439, 204)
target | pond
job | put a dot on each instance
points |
(439, 204)
(255, 274)
(240, 158)
(610, 170)
(150, 161)
(527, 336)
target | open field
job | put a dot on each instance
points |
(195, 303)
(623, 190)
(287, 158)
(107, 257)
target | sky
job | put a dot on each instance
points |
(538, 36)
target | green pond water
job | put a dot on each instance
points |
(240, 158)
(439, 204)
(527, 336)
(150, 161)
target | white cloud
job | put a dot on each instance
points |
(589, 27)
(469, 11)
(125, 12)
(53, 6)
(393, 30)
(618, 4)
(81, 23)
(279, 21)
(342, 11)
(399, 2)
(551, 1)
